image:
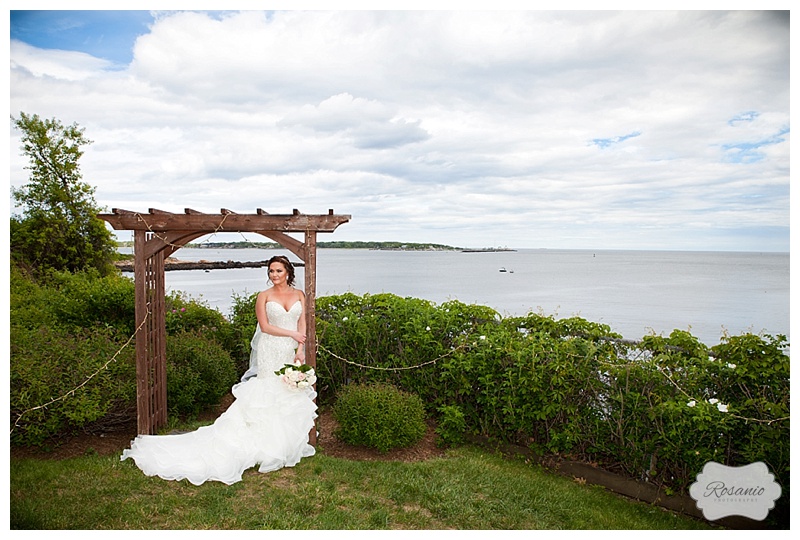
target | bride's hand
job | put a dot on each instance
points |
(300, 357)
(300, 338)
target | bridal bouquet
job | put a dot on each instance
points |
(297, 376)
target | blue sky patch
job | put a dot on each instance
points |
(749, 152)
(104, 34)
(748, 116)
(605, 143)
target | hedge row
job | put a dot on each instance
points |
(71, 370)
(655, 410)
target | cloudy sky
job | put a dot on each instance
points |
(538, 129)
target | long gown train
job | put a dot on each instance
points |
(267, 424)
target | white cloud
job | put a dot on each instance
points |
(368, 123)
(557, 129)
(66, 65)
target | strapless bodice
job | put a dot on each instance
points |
(279, 316)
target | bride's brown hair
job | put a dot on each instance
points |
(286, 264)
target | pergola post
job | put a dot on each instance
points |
(158, 234)
(310, 261)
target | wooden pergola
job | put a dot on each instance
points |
(157, 235)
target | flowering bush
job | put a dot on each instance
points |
(297, 376)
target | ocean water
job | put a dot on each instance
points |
(636, 293)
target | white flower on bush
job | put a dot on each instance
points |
(732, 366)
(344, 319)
(428, 328)
(721, 407)
(483, 337)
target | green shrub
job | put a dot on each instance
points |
(392, 334)
(243, 324)
(379, 416)
(49, 363)
(655, 410)
(31, 304)
(79, 300)
(88, 299)
(65, 326)
(451, 426)
(185, 314)
(199, 373)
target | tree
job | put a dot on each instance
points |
(59, 227)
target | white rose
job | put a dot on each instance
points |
(722, 407)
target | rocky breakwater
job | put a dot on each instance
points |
(175, 264)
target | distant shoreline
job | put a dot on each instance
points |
(126, 263)
(381, 246)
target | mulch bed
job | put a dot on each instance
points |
(106, 444)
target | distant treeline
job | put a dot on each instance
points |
(396, 246)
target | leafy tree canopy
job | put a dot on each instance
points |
(58, 227)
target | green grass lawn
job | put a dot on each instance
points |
(469, 488)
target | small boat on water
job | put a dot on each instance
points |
(503, 269)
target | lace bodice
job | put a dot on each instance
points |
(278, 316)
(272, 352)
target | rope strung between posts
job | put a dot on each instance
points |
(210, 236)
(219, 227)
(429, 362)
(693, 399)
(758, 420)
(84, 383)
(403, 368)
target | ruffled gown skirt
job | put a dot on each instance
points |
(268, 425)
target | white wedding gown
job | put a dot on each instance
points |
(268, 424)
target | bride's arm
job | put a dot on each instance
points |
(301, 327)
(267, 328)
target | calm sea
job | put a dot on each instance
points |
(634, 292)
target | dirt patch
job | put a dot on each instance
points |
(106, 444)
(328, 444)
(103, 444)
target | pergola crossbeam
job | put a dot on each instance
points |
(159, 221)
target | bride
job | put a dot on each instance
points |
(268, 423)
